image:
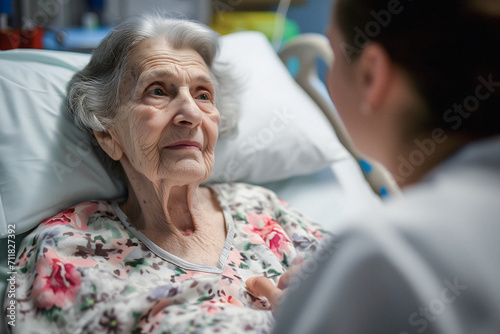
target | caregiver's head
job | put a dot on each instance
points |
(416, 80)
(149, 96)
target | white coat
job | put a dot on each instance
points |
(428, 262)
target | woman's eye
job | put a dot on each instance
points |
(204, 97)
(156, 92)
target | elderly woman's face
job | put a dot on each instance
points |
(167, 122)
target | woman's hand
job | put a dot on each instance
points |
(262, 286)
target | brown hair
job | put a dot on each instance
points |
(449, 48)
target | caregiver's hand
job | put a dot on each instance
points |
(262, 286)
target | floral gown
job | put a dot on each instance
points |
(87, 270)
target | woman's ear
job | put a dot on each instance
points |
(109, 144)
(375, 74)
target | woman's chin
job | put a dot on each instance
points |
(189, 172)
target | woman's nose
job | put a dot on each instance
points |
(188, 113)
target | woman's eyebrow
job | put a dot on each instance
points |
(160, 75)
(151, 76)
(204, 79)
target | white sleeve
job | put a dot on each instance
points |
(355, 288)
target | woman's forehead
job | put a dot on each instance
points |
(159, 54)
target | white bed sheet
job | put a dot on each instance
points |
(329, 196)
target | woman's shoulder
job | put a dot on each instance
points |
(79, 215)
(69, 232)
(65, 232)
(86, 217)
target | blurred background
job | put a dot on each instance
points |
(79, 25)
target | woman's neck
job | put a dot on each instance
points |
(409, 162)
(163, 207)
(184, 220)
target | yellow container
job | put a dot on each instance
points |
(268, 23)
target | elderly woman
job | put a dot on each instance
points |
(174, 256)
(418, 86)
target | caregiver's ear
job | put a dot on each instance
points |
(107, 141)
(375, 73)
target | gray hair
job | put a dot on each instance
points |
(94, 92)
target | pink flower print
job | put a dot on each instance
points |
(234, 301)
(23, 258)
(253, 228)
(279, 243)
(123, 248)
(210, 307)
(316, 233)
(79, 262)
(228, 290)
(56, 283)
(75, 216)
(264, 228)
(235, 257)
(189, 274)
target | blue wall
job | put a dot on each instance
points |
(312, 15)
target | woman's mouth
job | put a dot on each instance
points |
(185, 145)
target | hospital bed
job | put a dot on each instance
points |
(289, 139)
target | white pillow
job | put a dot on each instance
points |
(281, 132)
(47, 165)
(46, 162)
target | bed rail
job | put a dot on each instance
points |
(307, 48)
